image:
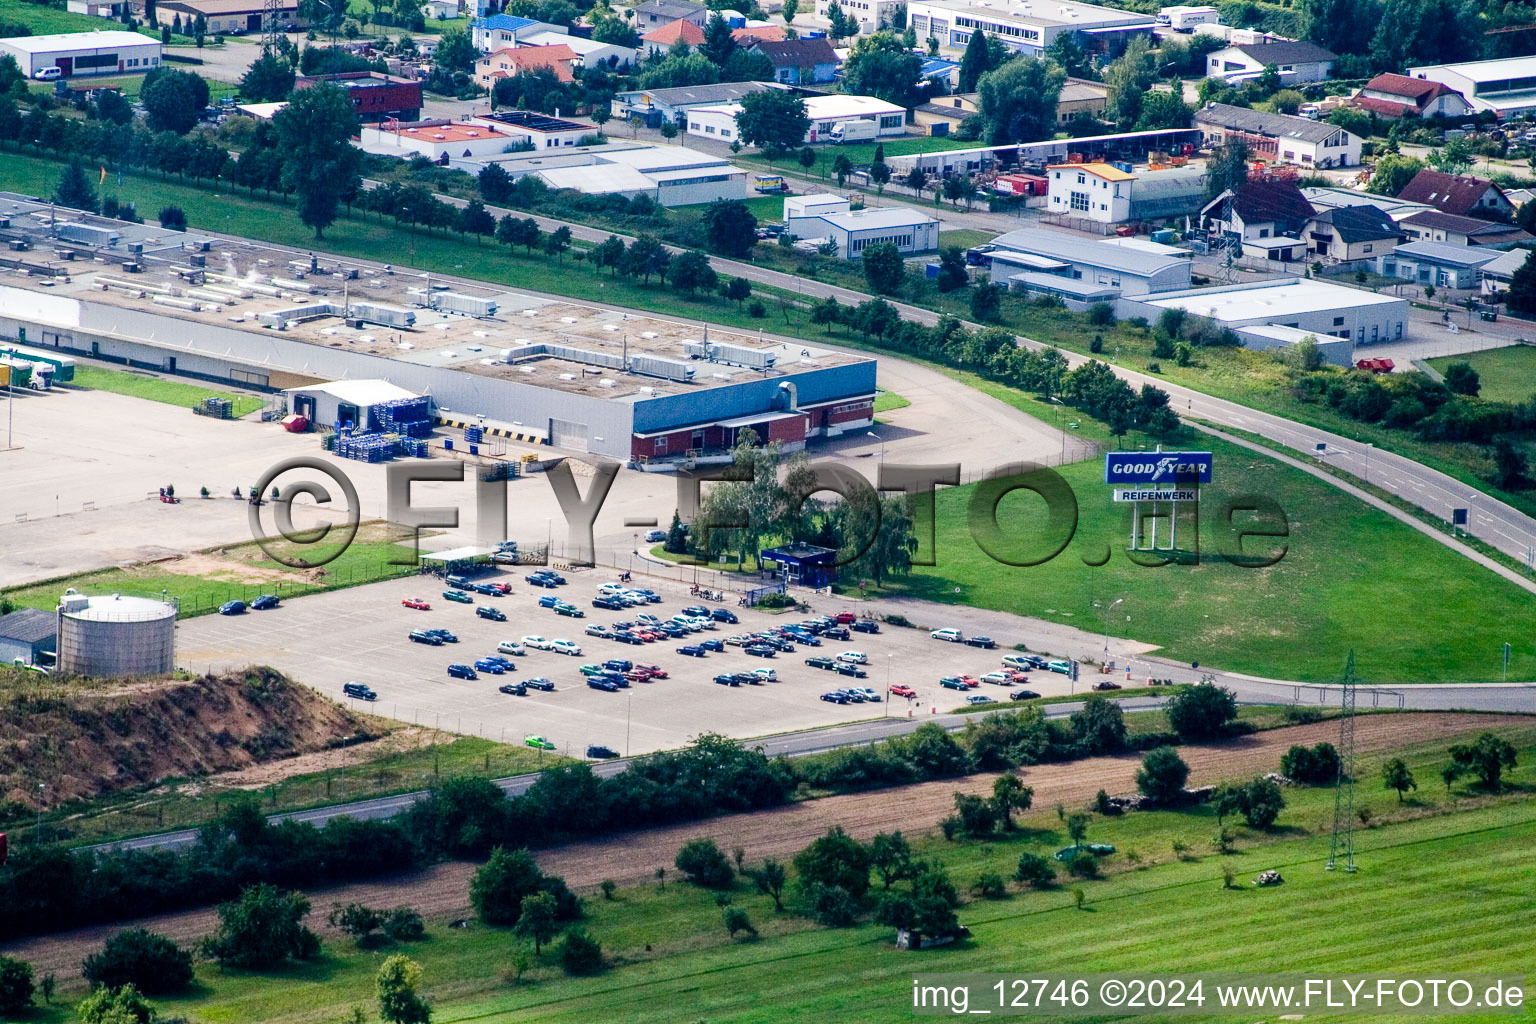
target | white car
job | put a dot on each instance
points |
(610, 589)
(954, 636)
(700, 622)
(655, 536)
(997, 679)
(688, 622)
(865, 692)
(854, 657)
(648, 619)
(538, 643)
(510, 647)
(635, 597)
(766, 674)
(564, 647)
(598, 629)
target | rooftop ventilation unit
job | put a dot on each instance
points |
(740, 355)
(655, 366)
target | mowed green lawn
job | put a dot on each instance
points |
(1443, 885)
(157, 389)
(1506, 374)
(1351, 578)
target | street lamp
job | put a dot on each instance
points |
(886, 706)
(1060, 405)
(1118, 600)
(877, 437)
(1370, 449)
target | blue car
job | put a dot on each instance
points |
(602, 683)
(548, 601)
(835, 698)
(232, 608)
(495, 668)
(712, 645)
(540, 581)
(462, 672)
(692, 650)
(264, 602)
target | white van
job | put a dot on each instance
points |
(48, 74)
(954, 636)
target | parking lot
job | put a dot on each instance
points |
(362, 634)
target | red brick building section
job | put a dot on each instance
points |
(376, 97)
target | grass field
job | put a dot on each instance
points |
(887, 401)
(1506, 374)
(156, 389)
(43, 20)
(1442, 886)
(964, 238)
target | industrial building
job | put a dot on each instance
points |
(1264, 337)
(1295, 62)
(439, 141)
(1505, 86)
(356, 404)
(105, 52)
(853, 231)
(232, 17)
(1436, 263)
(824, 111)
(375, 97)
(1280, 138)
(1306, 304)
(568, 375)
(538, 130)
(1133, 147)
(1082, 271)
(28, 636)
(1114, 194)
(655, 106)
(116, 635)
(1028, 27)
(670, 175)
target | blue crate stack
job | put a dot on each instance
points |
(411, 417)
(474, 434)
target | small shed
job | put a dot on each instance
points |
(27, 633)
(358, 404)
(458, 561)
(804, 565)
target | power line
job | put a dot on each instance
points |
(1344, 790)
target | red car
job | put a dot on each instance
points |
(1015, 676)
(970, 681)
(638, 674)
(844, 618)
(647, 635)
(903, 690)
(416, 602)
(656, 671)
(500, 588)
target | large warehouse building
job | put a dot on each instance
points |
(1309, 305)
(83, 53)
(561, 373)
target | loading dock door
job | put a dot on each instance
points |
(566, 434)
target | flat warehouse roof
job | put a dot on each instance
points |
(1484, 70)
(1282, 298)
(103, 40)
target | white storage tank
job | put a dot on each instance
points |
(116, 635)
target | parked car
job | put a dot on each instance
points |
(835, 698)
(979, 698)
(760, 650)
(232, 608)
(749, 679)
(538, 742)
(459, 596)
(458, 582)
(359, 690)
(612, 604)
(539, 683)
(866, 626)
(656, 671)
(1023, 695)
(952, 683)
(570, 610)
(264, 602)
(848, 668)
(867, 693)
(854, 657)
(655, 536)
(739, 640)
(500, 587)
(727, 679)
(724, 615)
(417, 603)
(1107, 685)
(513, 689)
(603, 683)
(1023, 662)
(421, 636)
(767, 674)
(1060, 665)
(619, 664)
(997, 678)
(495, 668)
(599, 630)
(591, 670)
(809, 639)
(488, 589)
(485, 611)
(903, 690)
(691, 650)
(601, 753)
(953, 636)
(836, 633)
(623, 636)
(538, 643)
(443, 635)
(981, 641)
(503, 662)
(712, 645)
(462, 672)
(549, 601)
(564, 647)
(538, 580)
(854, 696)
(696, 610)
(820, 661)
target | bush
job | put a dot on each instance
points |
(1260, 803)
(704, 864)
(1101, 314)
(172, 218)
(756, 310)
(1162, 775)
(1084, 865)
(116, 1006)
(736, 920)
(261, 929)
(832, 905)
(15, 985)
(775, 599)
(990, 886)
(1097, 344)
(498, 888)
(1201, 712)
(1035, 871)
(404, 925)
(1311, 766)
(580, 954)
(151, 963)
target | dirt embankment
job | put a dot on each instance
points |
(633, 857)
(89, 739)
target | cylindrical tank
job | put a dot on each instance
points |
(116, 635)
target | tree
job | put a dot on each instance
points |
(116, 1006)
(1226, 168)
(1035, 871)
(891, 856)
(15, 985)
(644, 257)
(152, 963)
(736, 920)
(977, 817)
(976, 62)
(1018, 100)
(1161, 110)
(841, 168)
(953, 272)
(719, 45)
(174, 100)
(475, 220)
(1311, 766)
(111, 106)
(1098, 727)
(607, 253)
(1065, 52)
(704, 864)
(807, 158)
(691, 272)
(558, 241)
(770, 880)
(1455, 157)
(580, 955)
(526, 233)
(730, 227)
(1510, 468)
(772, 118)
(884, 268)
(1077, 828)
(319, 162)
(75, 189)
(1396, 775)
(262, 928)
(172, 218)
(1162, 775)
(1521, 297)
(881, 65)
(396, 987)
(986, 303)
(678, 71)
(835, 859)
(455, 51)
(839, 25)
(499, 887)
(1462, 379)
(1127, 78)
(738, 290)
(880, 171)
(199, 30)
(1393, 173)
(1201, 712)
(537, 921)
(1009, 794)
(1487, 758)
(1260, 803)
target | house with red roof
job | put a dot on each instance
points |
(663, 39)
(1394, 96)
(1458, 194)
(510, 61)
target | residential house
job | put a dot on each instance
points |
(1296, 62)
(511, 61)
(1458, 194)
(503, 30)
(589, 52)
(1344, 234)
(1080, 96)
(1434, 226)
(663, 39)
(799, 61)
(1435, 263)
(1280, 138)
(654, 14)
(1258, 210)
(654, 106)
(748, 34)
(1395, 96)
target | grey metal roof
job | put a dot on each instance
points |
(669, 9)
(722, 92)
(1257, 122)
(1071, 249)
(1442, 252)
(29, 626)
(1300, 52)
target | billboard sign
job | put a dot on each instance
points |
(1150, 494)
(1157, 467)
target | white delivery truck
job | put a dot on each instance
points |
(861, 130)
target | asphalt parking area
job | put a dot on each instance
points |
(361, 634)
